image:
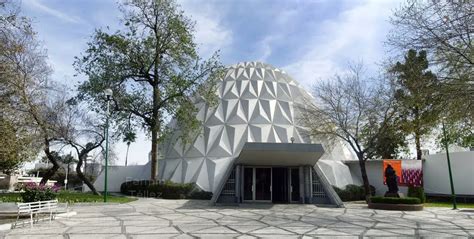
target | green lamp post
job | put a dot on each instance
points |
(453, 194)
(108, 94)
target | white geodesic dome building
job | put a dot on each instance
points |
(257, 103)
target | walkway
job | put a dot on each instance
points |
(154, 218)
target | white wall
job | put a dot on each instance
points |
(116, 175)
(436, 175)
(375, 174)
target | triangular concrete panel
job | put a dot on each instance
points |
(191, 166)
(178, 173)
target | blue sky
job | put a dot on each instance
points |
(311, 39)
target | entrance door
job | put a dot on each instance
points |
(263, 184)
(248, 184)
(257, 184)
(280, 185)
(295, 185)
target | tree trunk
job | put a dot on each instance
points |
(155, 129)
(51, 158)
(82, 176)
(365, 179)
(417, 134)
(126, 155)
(418, 146)
(154, 153)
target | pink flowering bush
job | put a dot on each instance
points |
(33, 192)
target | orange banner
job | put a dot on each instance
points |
(396, 165)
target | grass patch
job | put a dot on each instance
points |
(71, 197)
(10, 197)
(449, 204)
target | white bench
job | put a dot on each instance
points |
(35, 208)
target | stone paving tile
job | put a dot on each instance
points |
(389, 232)
(151, 230)
(154, 236)
(246, 228)
(96, 229)
(100, 236)
(45, 236)
(154, 218)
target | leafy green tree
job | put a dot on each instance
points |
(15, 146)
(460, 133)
(417, 96)
(153, 68)
(389, 143)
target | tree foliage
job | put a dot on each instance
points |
(392, 142)
(15, 146)
(24, 75)
(153, 68)
(417, 96)
(129, 137)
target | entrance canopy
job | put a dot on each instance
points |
(279, 154)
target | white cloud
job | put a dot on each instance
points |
(55, 13)
(210, 34)
(266, 46)
(355, 34)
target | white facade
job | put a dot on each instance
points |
(257, 103)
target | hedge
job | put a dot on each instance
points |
(417, 192)
(394, 200)
(202, 195)
(166, 190)
(353, 192)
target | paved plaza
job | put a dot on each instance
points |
(155, 218)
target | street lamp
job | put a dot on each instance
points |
(108, 94)
(453, 194)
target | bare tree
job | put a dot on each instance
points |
(351, 108)
(445, 29)
(81, 129)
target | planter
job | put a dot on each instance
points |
(398, 207)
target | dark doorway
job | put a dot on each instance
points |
(263, 180)
(280, 185)
(295, 185)
(248, 183)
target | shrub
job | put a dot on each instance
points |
(170, 190)
(417, 192)
(33, 192)
(203, 195)
(135, 187)
(147, 188)
(394, 200)
(353, 192)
